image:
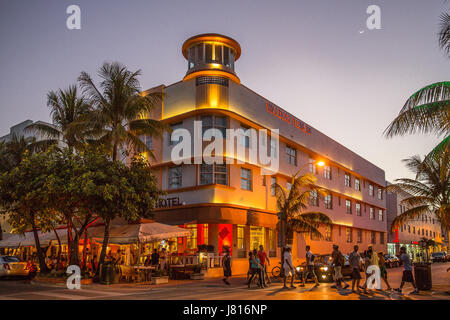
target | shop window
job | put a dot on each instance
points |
(246, 179)
(348, 206)
(273, 182)
(272, 240)
(347, 180)
(257, 237)
(175, 177)
(291, 155)
(357, 185)
(313, 198)
(327, 172)
(359, 236)
(241, 237)
(191, 242)
(329, 233)
(349, 234)
(328, 200)
(358, 209)
(213, 174)
(372, 213)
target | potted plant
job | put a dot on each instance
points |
(159, 277)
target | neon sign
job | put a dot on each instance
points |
(287, 117)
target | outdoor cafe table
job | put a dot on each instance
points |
(144, 272)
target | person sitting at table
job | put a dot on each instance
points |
(155, 258)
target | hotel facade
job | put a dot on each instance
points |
(234, 204)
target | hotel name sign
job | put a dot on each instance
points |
(168, 202)
(287, 117)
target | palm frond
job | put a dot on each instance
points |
(409, 215)
(444, 33)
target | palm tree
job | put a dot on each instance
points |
(429, 192)
(66, 107)
(291, 205)
(11, 151)
(120, 115)
(428, 110)
(120, 112)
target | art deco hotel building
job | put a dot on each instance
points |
(234, 204)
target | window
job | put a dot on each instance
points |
(423, 232)
(359, 235)
(175, 177)
(213, 174)
(257, 237)
(273, 148)
(373, 238)
(357, 185)
(272, 240)
(191, 242)
(173, 127)
(210, 121)
(147, 140)
(414, 230)
(273, 181)
(313, 201)
(312, 166)
(209, 52)
(381, 237)
(291, 155)
(329, 233)
(327, 172)
(328, 200)
(241, 237)
(371, 214)
(380, 193)
(347, 180)
(426, 233)
(380, 215)
(371, 190)
(205, 233)
(358, 209)
(349, 234)
(246, 179)
(409, 229)
(348, 206)
(245, 138)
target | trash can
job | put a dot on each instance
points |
(115, 274)
(422, 275)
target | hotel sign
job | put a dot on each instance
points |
(169, 202)
(287, 117)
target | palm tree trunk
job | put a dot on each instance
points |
(58, 259)
(42, 265)
(114, 155)
(104, 247)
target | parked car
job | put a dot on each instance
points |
(438, 257)
(12, 266)
(391, 261)
(323, 269)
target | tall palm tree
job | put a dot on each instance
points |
(429, 192)
(66, 107)
(120, 115)
(428, 110)
(292, 204)
(120, 112)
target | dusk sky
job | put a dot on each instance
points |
(316, 59)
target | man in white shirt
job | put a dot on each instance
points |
(309, 268)
(288, 267)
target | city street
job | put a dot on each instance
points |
(216, 290)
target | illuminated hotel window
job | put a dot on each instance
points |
(371, 190)
(357, 185)
(348, 206)
(241, 237)
(213, 174)
(191, 242)
(173, 127)
(349, 234)
(371, 214)
(312, 166)
(246, 179)
(359, 235)
(291, 155)
(380, 194)
(327, 172)
(272, 240)
(205, 233)
(328, 200)
(347, 180)
(380, 215)
(381, 238)
(373, 238)
(257, 237)
(175, 177)
(313, 200)
(328, 233)
(273, 181)
(358, 209)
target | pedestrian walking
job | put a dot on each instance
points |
(226, 264)
(309, 268)
(255, 268)
(355, 262)
(288, 267)
(370, 259)
(407, 271)
(264, 260)
(338, 263)
(383, 270)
